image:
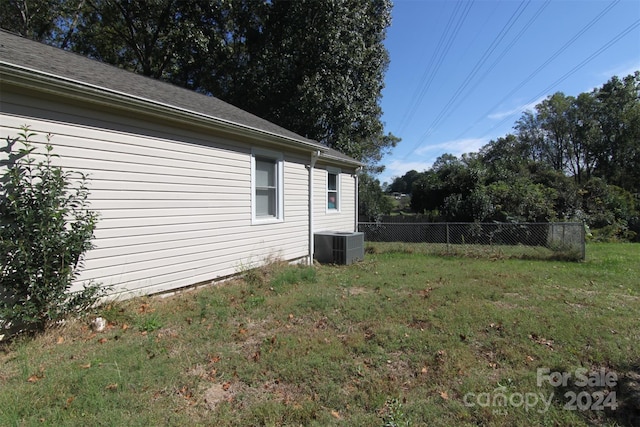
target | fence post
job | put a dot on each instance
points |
(583, 239)
(447, 228)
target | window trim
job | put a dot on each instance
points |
(278, 158)
(337, 172)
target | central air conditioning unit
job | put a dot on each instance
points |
(336, 247)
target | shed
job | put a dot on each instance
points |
(189, 189)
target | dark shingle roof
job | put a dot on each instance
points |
(28, 54)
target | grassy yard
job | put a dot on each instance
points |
(402, 338)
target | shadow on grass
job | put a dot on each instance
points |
(601, 395)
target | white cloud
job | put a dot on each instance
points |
(423, 158)
(516, 110)
(397, 168)
(456, 147)
(621, 71)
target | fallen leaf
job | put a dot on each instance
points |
(336, 414)
(290, 316)
(424, 370)
(34, 378)
(69, 401)
(226, 385)
(102, 340)
(60, 340)
(145, 308)
(87, 366)
(542, 341)
(214, 359)
(444, 395)
(125, 326)
(212, 374)
(112, 387)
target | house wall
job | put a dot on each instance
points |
(344, 219)
(174, 202)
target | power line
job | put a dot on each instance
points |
(476, 68)
(573, 70)
(474, 71)
(542, 66)
(456, 21)
(507, 49)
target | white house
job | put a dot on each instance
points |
(189, 189)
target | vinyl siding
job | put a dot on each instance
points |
(344, 220)
(174, 203)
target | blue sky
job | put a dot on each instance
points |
(462, 72)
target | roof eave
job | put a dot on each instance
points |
(69, 88)
(341, 160)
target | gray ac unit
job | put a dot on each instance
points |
(335, 247)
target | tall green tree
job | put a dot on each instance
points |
(144, 37)
(618, 151)
(404, 184)
(585, 133)
(553, 121)
(321, 73)
(316, 68)
(372, 202)
(49, 21)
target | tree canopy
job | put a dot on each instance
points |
(314, 67)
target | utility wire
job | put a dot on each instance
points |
(474, 71)
(542, 66)
(456, 21)
(476, 68)
(505, 51)
(572, 71)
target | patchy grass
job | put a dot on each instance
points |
(402, 338)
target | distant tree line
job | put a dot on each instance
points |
(571, 159)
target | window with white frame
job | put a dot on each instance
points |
(333, 190)
(267, 186)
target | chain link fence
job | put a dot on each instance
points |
(560, 240)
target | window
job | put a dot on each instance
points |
(266, 183)
(333, 190)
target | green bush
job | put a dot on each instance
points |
(46, 228)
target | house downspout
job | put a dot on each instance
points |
(355, 221)
(314, 159)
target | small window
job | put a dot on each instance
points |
(266, 173)
(333, 190)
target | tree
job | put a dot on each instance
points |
(452, 189)
(618, 151)
(321, 73)
(531, 136)
(505, 158)
(316, 68)
(145, 37)
(585, 133)
(372, 202)
(50, 21)
(403, 184)
(552, 120)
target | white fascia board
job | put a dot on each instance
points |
(335, 160)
